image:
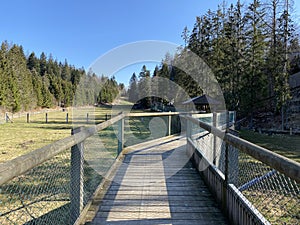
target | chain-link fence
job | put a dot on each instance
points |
(275, 195)
(43, 194)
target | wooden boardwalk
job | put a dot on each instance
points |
(155, 184)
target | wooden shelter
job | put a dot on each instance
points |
(203, 103)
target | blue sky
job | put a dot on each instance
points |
(82, 31)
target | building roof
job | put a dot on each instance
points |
(203, 100)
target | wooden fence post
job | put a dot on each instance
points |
(76, 179)
(169, 125)
(106, 117)
(87, 118)
(28, 118)
(67, 118)
(120, 135)
(46, 117)
(6, 117)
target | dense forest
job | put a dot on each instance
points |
(30, 82)
(252, 50)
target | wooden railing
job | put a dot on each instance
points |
(238, 208)
(234, 204)
(22, 164)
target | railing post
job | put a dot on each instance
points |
(214, 138)
(120, 135)
(46, 117)
(76, 179)
(67, 118)
(188, 128)
(226, 169)
(169, 125)
(87, 118)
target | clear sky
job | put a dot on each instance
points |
(81, 31)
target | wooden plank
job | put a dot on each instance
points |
(156, 221)
(185, 203)
(121, 216)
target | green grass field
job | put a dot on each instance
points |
(286, 145)
(20, 137)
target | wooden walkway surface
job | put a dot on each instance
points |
(155, 184)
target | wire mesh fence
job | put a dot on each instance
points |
(275, 195)
(141, 129)
(42, 194)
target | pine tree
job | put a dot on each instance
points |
(133, 89)
(144, 87)
(254, 79)
(43, 64)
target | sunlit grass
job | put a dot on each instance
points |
(20, 137)
(286, 145)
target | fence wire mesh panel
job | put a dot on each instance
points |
(42, 195)
(141, 129)
(275, 196)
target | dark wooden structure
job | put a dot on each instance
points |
(203, 103)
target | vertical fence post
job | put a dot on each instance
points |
(226, 169)
(87, 118)
(120, 135)
(28, 118)
(76, 179)
(234, 119)
(214, 138)
(106, 117)
(6, 117)
(188, 128)
(169, 124)
(46, 117)
(67, 118)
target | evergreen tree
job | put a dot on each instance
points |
(254, 78)
(43, 64)
(144, 87)
(133, 88)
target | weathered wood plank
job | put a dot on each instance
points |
(157, 221)
(121, 216)
(185, 203)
